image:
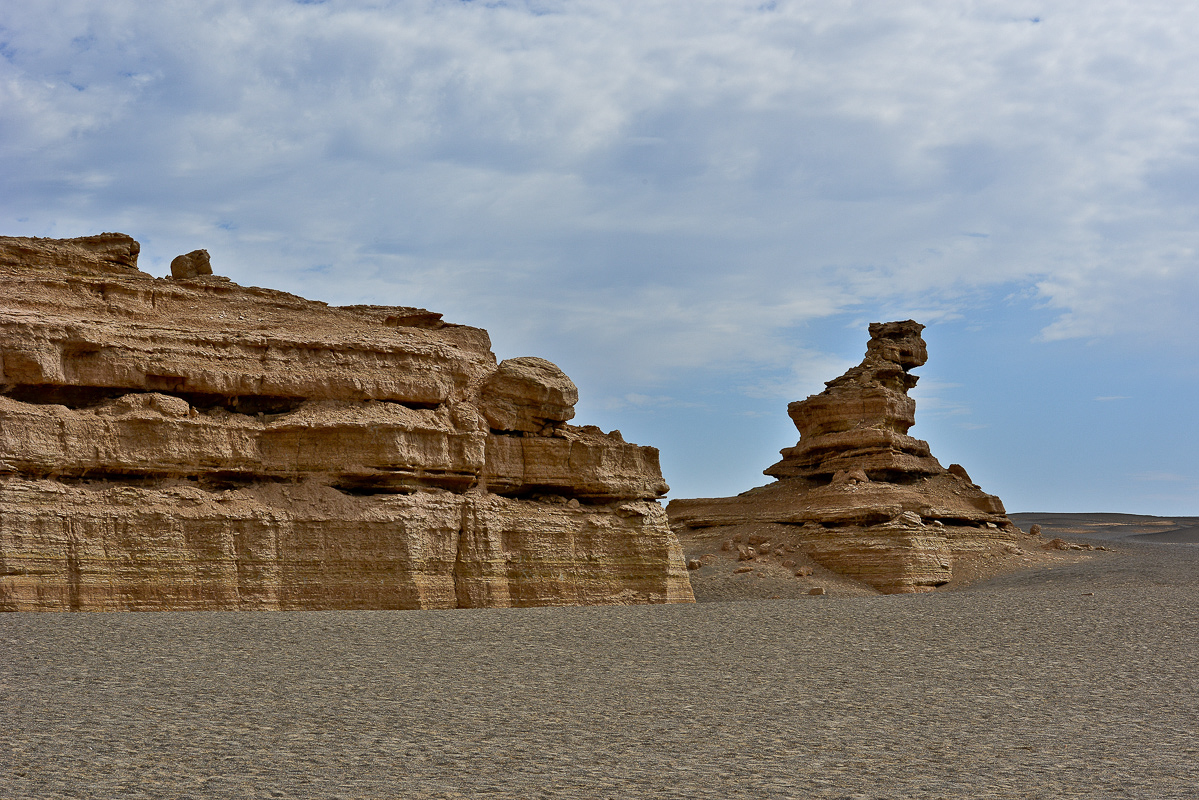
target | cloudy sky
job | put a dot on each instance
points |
(693, 207)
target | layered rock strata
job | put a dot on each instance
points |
(188, 443)
(858, 494)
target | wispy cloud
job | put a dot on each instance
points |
(1165, 477)
(633, 400)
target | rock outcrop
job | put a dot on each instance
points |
(857, 494)
(188, 443)
(191, 265)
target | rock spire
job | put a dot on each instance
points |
(857, 493)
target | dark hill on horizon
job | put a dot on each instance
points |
(1138, 527)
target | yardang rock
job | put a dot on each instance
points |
(195, 444)
(858, 494)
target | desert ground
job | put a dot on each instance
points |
(1066, 676)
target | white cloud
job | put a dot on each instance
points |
(843, 153)
(656, 190)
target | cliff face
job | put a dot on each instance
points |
(193, 444)
(857, 494)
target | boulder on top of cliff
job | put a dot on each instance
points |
(858, 494)
(527, 395)
(191, 265)
(103, 252)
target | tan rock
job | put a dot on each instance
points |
(191, 265)
(527, 395)
(865, 499)
(581, 461)
(100, 254)
(195, 444)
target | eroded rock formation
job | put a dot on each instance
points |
(188, 443)
(857, 494)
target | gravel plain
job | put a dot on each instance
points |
(1072, 680)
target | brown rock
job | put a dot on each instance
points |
(743, 569)
(816, 590)
(850, 476)
(957, 470)
(527, 395)
(191, 265)
(581, 461)
(866, 499)
(100, 254)
(803, 572)
(694, 563)
(200, 445)
(1034, 530)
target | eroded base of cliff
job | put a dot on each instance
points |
(95, 546)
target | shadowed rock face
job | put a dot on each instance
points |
(194, 444)
(860, 495)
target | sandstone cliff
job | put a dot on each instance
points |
(188, 443)
(857, 494)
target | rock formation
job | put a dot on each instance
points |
(191, 265)
(188, 443)
(857, 494)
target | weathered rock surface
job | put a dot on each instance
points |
(194, 444)
(857, 494)
(104, 252)
(191, 265)
(528, 394)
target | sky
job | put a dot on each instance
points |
(694, 207)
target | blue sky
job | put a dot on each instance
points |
(694, 208)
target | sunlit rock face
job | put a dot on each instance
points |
(188, 443)
(857, 493)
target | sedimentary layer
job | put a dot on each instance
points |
(188, 443)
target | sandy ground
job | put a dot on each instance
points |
(1072, 677)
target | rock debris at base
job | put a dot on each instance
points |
(1023, 686)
